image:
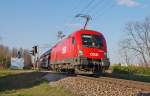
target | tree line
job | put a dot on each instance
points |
(6, 54)
(134, 46)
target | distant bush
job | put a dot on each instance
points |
(4, 63)
(131, 70)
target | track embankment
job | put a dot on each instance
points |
(102, 86)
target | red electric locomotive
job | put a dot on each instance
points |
(84, 50)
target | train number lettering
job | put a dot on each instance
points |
(93, 54)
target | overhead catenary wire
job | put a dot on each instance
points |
(107, 9)
(86, 6)
(105, 6)
(75, 8)
(84, 9)
(90, 9)
(95, 5)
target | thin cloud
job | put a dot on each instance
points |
(129, 3)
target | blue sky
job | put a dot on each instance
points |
(24, 23)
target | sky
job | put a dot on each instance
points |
(25, 23)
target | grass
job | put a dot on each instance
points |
(5, 72)
(41, 90)
(131, 70)
(131, 73)
(28, 83)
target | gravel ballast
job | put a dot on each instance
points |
(93, 87)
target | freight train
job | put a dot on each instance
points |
(83, 50)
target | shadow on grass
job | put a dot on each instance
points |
(20, 80)
(57, 76)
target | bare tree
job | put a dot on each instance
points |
(125, 56)
(14, 52)
(5, 55)
(138, 40)
(27, 58)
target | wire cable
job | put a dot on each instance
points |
(87, 6)
(97, 4)
(107, 9)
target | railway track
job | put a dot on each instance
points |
(89, 85)
(121, 82)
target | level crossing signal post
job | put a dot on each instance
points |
(35, 57)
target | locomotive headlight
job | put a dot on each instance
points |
(105, 54)
(80, 52)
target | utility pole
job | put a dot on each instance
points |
(38, 57)
(60, 35)
(35, 53)
(87, 17)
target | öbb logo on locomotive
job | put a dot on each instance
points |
(94, 54)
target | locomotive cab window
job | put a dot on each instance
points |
(73, 41)
(92, 41)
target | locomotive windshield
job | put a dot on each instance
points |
(92, 41)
